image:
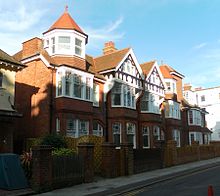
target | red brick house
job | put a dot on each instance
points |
(185, 123)
(64, 90)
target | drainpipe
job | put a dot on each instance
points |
(51, 101)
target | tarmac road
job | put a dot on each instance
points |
(192, 184)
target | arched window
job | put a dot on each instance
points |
(1, 79)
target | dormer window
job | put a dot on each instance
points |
(78, 46)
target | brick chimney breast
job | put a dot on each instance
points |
(31, 47)
(109, 48)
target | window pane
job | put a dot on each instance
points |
(145, 140)
(64, 39)
(78, 42)
(77, 86)
(96, 94)
(78, 51)
(88, 88)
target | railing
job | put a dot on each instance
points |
(67, 170)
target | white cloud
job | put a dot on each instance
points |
(19, 22)
(98, 36)
(201, 45)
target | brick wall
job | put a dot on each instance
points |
(33, 88)
(31, 47)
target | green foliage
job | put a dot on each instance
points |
(63, 152)
(55, 141)
(30, 142)
(26, 162)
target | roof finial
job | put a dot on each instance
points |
(66, 8)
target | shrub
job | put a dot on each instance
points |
(55, 141)
(63, 152)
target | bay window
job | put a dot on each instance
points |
(77, 128)
(195, 118)
(116, 94)
(74, 85)
(173, 110)
(150, 103)
(97, 129)
(123, 95)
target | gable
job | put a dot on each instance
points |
(154, 81)
(133, 60)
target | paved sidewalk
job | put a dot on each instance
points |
(114, 186)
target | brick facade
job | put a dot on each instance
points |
(37, 99)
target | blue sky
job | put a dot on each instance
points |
(182, 33)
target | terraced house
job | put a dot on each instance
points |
(64, 90)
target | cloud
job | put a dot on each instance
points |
(106, 33)
(201, 45)
(20, 18)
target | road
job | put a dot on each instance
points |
(195, 184)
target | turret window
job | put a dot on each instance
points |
(53, 44)
(78, 46)
(63, 43)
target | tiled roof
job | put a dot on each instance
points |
(65, 21)
(110, 61)
(165, 70)
(146, 67)
(9, 59)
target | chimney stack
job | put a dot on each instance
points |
(109, 48)
(187, 87)
(31, 47)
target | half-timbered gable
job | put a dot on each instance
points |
(154, 87)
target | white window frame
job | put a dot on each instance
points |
(156, 132)
(197, 137)
(131, 131)
(95, 95)
(174, 110)
(196, 117)
(126, 94)
(116, 130)
(62, 45)
(77, 130)
(146, 132)
(176, 137)
(152, 102)
(99, 130)
(57, 125)
(78, 47)
(65, 75)
(53, 45)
